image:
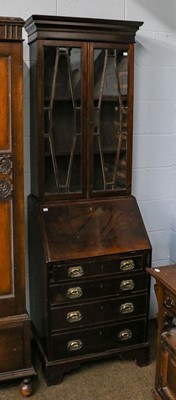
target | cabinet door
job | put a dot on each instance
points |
(12, 300)
(64, 98)
(110, 118)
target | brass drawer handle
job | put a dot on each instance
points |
(74, 345)
(125, 335)
(74, 293)
(75, 272)
(127, 265)
(127, 284)
(126, 308)
(74, 316)
(169, 302)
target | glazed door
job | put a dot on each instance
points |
(64, 99)
(87, 119)
(110, 118)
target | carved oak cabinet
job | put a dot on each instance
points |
(15, 353)
(88, 247)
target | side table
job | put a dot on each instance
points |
(165, 289)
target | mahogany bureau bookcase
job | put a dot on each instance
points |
(15, 331)
(88, 246)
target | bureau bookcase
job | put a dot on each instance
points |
(88, 247)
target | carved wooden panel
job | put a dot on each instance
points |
(11, 178)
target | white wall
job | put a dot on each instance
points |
(155, 125)
(154, 151)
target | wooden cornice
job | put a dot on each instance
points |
(11, 29)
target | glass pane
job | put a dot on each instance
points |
(110, 119)
(62, 119)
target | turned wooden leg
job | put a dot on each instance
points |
(26, 387)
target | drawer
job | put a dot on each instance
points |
(96, 340)
(169, 302)
(103, 266)
(87, 289)
(69, 317)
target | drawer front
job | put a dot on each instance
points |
(169, 302)
(124, 263)
(84, 290)
(69, 317)
(95, 340)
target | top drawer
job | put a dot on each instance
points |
(101, 266)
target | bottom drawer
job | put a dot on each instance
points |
(104, 338)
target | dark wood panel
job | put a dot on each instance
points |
(94, 228)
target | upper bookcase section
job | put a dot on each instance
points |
(55, 27)
(81, 80)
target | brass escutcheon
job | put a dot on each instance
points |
(75, 292)
(74, 316)
(126, 308)
(74, 345)
(125, 335)
(127, 284)
(127, 265)
(75, 272)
